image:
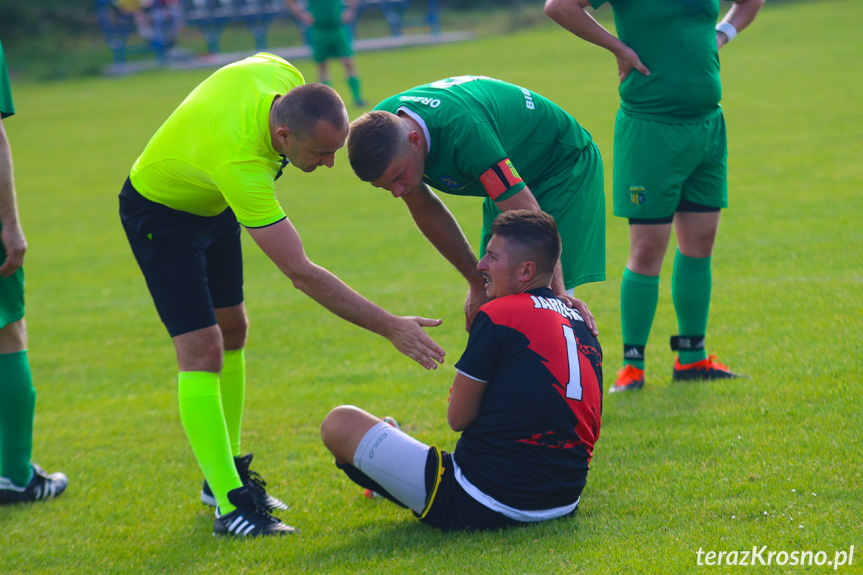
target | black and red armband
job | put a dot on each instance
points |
(499, 178)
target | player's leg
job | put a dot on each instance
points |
(344, 50)
(17, 394)
(224, 271)
(20, 479)
(170, 249)
(647, 184)
(319, 42)
(696, 223)
(378, 456)
(691, 280)
(639, 294)
(233, 324)
(354, 82)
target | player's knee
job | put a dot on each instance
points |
(340, 428)
(234, 328)
(13, 337)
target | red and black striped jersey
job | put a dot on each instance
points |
(539, 419)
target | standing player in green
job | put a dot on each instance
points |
(20, 479)
(670, 161)
(330, 36)
(477, 136)
(208, 169)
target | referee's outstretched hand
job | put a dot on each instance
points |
(408, 336)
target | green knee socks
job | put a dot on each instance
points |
(690, 291)
(638, 297)
(17, 405)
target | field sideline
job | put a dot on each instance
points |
(773, 461)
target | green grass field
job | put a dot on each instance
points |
(773, 461)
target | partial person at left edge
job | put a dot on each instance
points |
(210, 168)
(21, 480)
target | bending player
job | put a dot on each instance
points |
(527, 398)
(477, 136)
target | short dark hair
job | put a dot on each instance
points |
(304, 106)
(535, 235)
(376, 139)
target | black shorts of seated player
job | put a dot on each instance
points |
(174, 251)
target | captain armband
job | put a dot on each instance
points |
(499, 178)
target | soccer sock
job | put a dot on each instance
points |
(690, 291)
(204, 422)
(233, 386)
(638, 298)
(354, 83)
(17, 406)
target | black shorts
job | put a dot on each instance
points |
(453, 509)
(192, 264)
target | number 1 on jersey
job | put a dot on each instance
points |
(573, 386)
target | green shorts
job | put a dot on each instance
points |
(11, 294)
(330, 43)
(575, 198)
(657, 165)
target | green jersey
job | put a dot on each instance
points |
(676, 40)
(7, 108)
(215, 151)
(327, 13)
(474, 124)
(489, 138)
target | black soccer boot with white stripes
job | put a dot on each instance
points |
(41, 487)
(248, 520)
(255, 482)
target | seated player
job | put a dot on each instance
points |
(527, 398)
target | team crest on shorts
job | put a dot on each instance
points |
(636, 194)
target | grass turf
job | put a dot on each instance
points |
(773, 460)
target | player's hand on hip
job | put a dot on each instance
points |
(627, 61)
(409, 338)
(13, 240)
(582, 308)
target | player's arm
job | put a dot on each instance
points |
(300, 12)
(741, 15)
(282, 244)
(12, 236)
(465, 399)
(438, 224)
(572, 15)
(350, 12)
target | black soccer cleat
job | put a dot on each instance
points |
(255, 482)
(248, 520)
(40, 488)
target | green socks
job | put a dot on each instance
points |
(690, 291)
(17, 406)
(204, 422)
(638, 298)
(354, 83)
(233, 388)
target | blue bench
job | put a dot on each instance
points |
(211, 16)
